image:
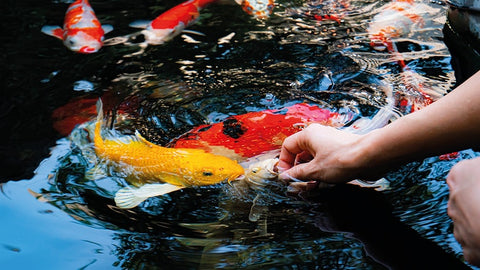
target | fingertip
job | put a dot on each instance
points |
(282, 176)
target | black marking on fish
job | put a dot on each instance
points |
(205, 128)
(233, 128)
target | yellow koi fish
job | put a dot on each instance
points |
(155, 170)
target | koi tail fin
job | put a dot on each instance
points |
(130, 197)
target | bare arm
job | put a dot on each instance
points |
(326, 154)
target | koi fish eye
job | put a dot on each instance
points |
(247, 8)
(71, 42)
(207, 173)
(255, 170)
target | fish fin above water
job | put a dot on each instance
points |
(130, 197)
(140, 138)
(240, 2)
(96, 172)
(139, 24)
(107, 28)
(365, 125)
(54, 31)
(99, 106)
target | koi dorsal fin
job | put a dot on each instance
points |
(140, 138)
(139, 24)
(107, 28)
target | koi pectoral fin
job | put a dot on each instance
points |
(130, 197)
(54, 31)
(107, 28)
(139, 24)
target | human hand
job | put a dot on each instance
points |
(320, 153)
(464, 207)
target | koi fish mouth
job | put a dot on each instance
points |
(258, 9)
(87, 49)
(238, 178)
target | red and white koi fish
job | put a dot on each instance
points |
(259, 9)
(172, 22)
(396, 20)
(82, 31)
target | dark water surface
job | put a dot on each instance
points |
(53, 218)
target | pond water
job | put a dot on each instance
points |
(53, 218)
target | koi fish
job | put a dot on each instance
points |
(264, 171)
(79, 110)
(323, 10)
(259, 9)
(155, 170)
(82, 31)
(75, 112)
(395, 20)
(253, 133)
(172, 22)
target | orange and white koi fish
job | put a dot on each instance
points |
(172, 22)
(156, 170)
(82, 31)
(259, 9)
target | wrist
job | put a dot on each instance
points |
(370, 155)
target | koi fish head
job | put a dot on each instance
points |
(208, 169)
(260, 9)
(83, 42)
(262, 171)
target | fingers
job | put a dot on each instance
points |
(290, 148)
(298, 147)
(297, 173)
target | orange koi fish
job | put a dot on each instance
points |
(250, 134)
(172, 22)
(156, 170)
(259, 9)
(82, 31)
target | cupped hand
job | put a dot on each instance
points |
(321, 153)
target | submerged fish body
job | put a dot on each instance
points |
(172, 22)
(395, 20)
(259, 9)
(82, 31)
(157, 170)
(322, 10)
(250, 134)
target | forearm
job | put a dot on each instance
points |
(451, 123)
